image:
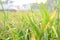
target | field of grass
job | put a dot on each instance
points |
(42, 25)
(29, 26)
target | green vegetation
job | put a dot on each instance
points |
(30, 25)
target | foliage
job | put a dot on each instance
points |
(29, 25)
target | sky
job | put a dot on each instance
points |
(21, 2)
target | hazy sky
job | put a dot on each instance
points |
(21, 2)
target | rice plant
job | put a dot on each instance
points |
(35, 25)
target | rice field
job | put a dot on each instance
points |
(29, 26)
(42, 25)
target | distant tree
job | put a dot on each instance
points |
(52, 4)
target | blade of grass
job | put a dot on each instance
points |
(51, 18)
(34, 27)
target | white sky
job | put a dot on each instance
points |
(21, 2)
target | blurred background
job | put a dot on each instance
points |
(25, 5)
